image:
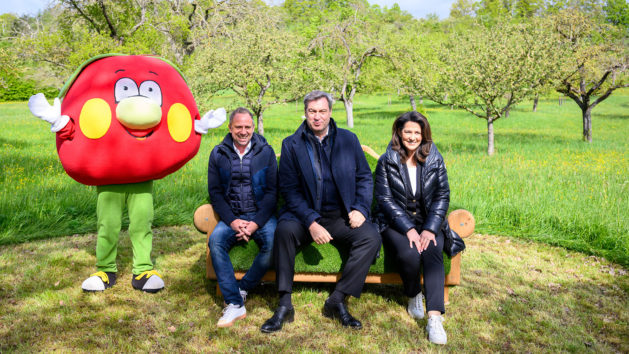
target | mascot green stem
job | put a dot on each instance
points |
(111, 201)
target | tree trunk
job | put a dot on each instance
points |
(260, 123)
(535, 101)
(490, 136)
(507, 112)
(349, 109)
(587, 124)
(421, 99)
(413, 104)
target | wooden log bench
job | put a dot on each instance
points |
(323, 263)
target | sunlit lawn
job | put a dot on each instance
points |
(515, 296)
(543, 183)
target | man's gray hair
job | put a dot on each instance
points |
(240, 110)
(315, 95)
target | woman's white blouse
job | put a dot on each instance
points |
(412, 175)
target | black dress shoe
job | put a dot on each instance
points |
(340, 311)
(282, 314)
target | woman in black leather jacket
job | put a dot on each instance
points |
(413, 196)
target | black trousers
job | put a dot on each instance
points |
(363, 243)
(410, 263)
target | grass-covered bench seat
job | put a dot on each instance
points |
(323, 263)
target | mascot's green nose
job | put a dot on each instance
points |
(138, 112)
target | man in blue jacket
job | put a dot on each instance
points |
(242, 182)
(327, 186)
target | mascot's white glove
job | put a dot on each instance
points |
(51, 114)
(210, 120)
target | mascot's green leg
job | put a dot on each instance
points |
(109, 214)
(109, 207)
(140, 205)
(111, 201)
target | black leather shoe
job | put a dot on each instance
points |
(340, 312)
(282, 314)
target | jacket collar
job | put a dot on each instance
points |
(304, 129)
(257, 142)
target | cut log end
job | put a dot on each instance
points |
(462, 222)
(205, 218)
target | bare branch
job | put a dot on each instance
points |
(142, 20)
(84, 15)
(263, 89)
(112, 30)
(607, 94)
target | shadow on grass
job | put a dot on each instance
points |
(470, 143)
(52, 272)
(62, 253)
(31, 164)
(611, 116)
(461, 145)
(20, 144)
(379, 115)
(518, 297)
(527, 138)
(509, 289)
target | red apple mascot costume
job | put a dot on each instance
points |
(123, 122)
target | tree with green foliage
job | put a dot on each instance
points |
(490, 11)
(463, 8)
(410, 50)
(256, 58)
(528, 8)
(341, 48)
(72, 31)
(617, 13)
(486, 71)
(7, 67)
(597, 63)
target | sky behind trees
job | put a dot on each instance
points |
(417, 8)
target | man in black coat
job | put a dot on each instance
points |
(327, 185)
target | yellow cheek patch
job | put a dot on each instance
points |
(95, 118)
(179, 122)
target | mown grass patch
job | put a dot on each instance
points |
(544, 183)
(515, 296)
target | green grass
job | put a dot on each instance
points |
(544, 183)
(515, 296)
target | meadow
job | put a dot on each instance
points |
(515, 296)
(543, 183)
(523, 290)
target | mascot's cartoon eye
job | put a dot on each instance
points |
(124, 88)
(151, 90)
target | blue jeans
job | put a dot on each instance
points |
(222, 240)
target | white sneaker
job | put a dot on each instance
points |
(436, 333)
(416, 306)
(231, 313)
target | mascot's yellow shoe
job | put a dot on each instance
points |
(99, 281)
(149, 281)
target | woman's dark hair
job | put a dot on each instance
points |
(396, 140)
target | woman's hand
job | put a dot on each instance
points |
(413, 237)
(424, 240)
